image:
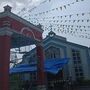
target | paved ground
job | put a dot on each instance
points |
(83, 88)
(74, 88)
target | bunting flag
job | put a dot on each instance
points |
(64, 16)
(57, 8)
(64, 24)
(73, 31)
(65, 6)
(55, 20)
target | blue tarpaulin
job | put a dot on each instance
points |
(50, 65)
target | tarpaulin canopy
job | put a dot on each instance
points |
(50, 65)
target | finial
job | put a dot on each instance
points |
(51, 33)
(7, 8)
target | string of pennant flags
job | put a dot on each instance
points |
(30, 10)
(48, 11)
(72, 31)
(64, 24)
(63, 7)
(61, 17)
(70, 16)
(72, 28)
(61, 20)
(77, 20)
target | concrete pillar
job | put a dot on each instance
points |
(5, 42)
(41, 80)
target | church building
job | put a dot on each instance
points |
(56, 46)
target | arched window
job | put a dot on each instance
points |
(52, 52)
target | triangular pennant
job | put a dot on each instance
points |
(65, 6)
(61, 8)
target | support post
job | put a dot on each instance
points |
(5, 41)
(41, 80)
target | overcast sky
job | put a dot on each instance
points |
(17, 4)
(80, 7)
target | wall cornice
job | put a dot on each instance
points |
(5, 31)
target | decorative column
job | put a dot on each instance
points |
(5, 42)
(41, 80)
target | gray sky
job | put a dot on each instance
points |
(77, 8)
(80, 7)
(17, 4)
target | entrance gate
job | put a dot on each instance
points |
(55, 81)
(14, 33)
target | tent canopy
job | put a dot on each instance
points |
(50, 65)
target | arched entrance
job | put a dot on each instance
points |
(14, 31)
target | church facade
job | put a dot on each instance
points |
(58, 47)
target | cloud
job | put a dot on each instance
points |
(17, 4)
(7, 2)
